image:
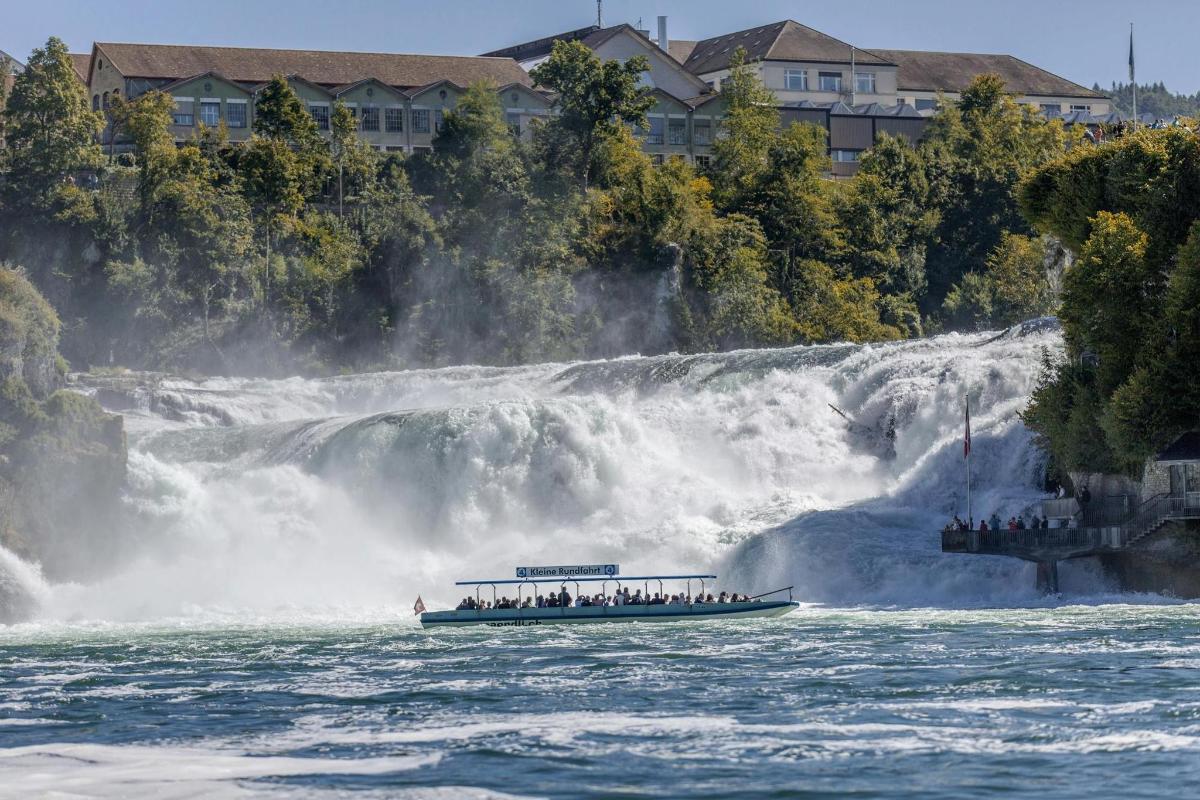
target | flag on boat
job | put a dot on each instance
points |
(967, 438)
(418, 606)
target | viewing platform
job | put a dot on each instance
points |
(1048, 546)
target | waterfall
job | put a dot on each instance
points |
(350, 495)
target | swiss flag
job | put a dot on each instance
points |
(967, 439)
(418, 606)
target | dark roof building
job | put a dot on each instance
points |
(930, 71)
(780, 41)
(81, 62)
(258, 65)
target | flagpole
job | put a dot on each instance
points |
(1133, 77)
(970, 519)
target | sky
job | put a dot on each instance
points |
(1084, 40)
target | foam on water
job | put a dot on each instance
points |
(258, 497)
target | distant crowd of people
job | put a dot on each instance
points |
(1099, 134)
(1017, 522)
(562, 599)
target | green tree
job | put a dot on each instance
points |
(1013, 287)
(977, 152)
(886, 215)
(747, 131)
(355, 159)
(50, 132)
(593, 99)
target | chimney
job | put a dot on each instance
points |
(663, 41)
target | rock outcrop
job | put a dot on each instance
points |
(62, 457)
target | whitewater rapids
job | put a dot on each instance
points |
(348, 496)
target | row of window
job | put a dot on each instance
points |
(210, 113)
(368, 118)
(674, 131)
(796, 80)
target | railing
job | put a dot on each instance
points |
(1069, 542)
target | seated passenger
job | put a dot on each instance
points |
(723, 598)
(710, 598)
(697, 599)
(638, 600)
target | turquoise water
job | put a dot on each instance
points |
(1058, 702)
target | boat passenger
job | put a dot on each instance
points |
(723, 598)
(695, 600)
(710, 598)
(638, 600)
(565, 598)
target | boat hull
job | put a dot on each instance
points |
(585, 615)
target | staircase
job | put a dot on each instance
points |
(1154, 514)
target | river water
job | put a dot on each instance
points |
(248, 630)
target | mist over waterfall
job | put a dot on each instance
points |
(354, 494)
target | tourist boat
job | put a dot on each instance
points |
(528, 579)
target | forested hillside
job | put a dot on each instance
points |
(297, 252)
(1153, 98)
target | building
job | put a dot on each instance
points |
(923, 77)
(398, 99)
(683, 120)
(799, 64)
(854, 93)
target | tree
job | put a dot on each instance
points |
(977, 152)
(750, 126)
(50, 131)
(593, 99)
(478, 166)
(1012, 287)
(886, 215)
(351, 155)
(1108, 299)
(789, 201)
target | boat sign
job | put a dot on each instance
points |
(570, 571)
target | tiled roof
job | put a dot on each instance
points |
(255, 65)
(780, 41)
(82, 63)
(928, 71)
(538, 48)
(680, 49)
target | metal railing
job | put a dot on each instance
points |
(1115, 535)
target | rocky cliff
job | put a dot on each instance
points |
(62, 458)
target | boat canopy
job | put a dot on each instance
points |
(572, 579)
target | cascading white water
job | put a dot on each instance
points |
(353, 494)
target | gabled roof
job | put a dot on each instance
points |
(420, 90)
(210, 74)
(592, 37)
(930, 71)
(349, 87)
(16, 64)
(680, 49)
(258, 65)
(82, 62)
(780, 41)
(527, 51)
(525, 90)
(1185, 448)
